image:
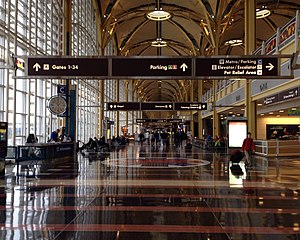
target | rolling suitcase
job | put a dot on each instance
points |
(236, 170)
(237, 156)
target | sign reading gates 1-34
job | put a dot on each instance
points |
(67, 66)
(237, 67)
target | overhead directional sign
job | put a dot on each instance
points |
(155, 106)
(159, 106)
(156, 120)
(152, 67)
(247, 67)
(190, 106)
(60, 67)
(123, 106)
(283, 96)
(113, 67)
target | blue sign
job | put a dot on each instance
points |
(61, 89)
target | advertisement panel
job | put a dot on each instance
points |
(3, 140)
(237, 132)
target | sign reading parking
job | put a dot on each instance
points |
(60, 67)
(152, 67)
(237, 67)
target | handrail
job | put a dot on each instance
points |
(277, 148)
(287, 33)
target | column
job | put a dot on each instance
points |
(68, 52)
(132, 99)
(216, 120)
(117, 124)
(127, 97)
(200, 123)
(102, 130)
(250, 46)
(191, 113)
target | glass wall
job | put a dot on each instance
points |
(85, 43)
(27, 28)
(36, 28)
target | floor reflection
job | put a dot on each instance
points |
(145, 192)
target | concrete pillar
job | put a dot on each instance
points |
(127, 97)
(191, 113)
(102, 108)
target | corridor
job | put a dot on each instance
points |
(153, 192)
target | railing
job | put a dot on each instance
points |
(284, 35)
(200, 143)
(210, 146)
(277, 148)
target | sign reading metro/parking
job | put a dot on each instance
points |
(246, 67)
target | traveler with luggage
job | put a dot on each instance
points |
(248, 148)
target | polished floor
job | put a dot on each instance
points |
(153, 193)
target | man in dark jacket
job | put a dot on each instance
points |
(248, 148)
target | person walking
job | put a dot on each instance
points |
(248, 148)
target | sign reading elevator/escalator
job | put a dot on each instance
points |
(190, 106)
(248, 67)
(152, 67)
(123, 106)
(60, 67)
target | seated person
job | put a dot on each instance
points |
(54, 136)
(102, 143)
(122, 140)
(67, 138)
(31, 138)
(87, 145)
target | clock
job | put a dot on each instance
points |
(57, 105)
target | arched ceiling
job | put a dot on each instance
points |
(197, 27)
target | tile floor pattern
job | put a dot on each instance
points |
(153, 193)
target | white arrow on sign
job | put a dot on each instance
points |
(203, 106)
(36, 66)
(270, 66)
(184, 67)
